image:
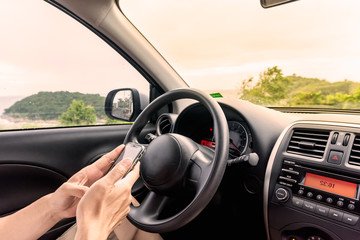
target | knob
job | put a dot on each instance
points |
(282, 194)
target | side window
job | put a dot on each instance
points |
(53, 71)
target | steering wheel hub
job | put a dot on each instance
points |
(164, 164)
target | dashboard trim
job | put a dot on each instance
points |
(275, 151)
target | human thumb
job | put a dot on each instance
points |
(118, 171)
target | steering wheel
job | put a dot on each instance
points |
(181, 175)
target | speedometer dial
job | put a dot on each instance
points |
(238, 139)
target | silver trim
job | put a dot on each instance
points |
(272, 159)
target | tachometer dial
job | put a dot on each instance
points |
(238, 139)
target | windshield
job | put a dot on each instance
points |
(302, 54)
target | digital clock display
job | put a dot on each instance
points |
(331, 185)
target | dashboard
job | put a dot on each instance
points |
(196, 123)
(307, 182)
(253, 130)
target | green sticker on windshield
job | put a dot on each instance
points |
(216, 95)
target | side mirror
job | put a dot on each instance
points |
(124, 104)
(273, 3)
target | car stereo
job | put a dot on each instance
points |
(321, 192)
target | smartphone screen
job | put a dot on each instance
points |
(132, 150)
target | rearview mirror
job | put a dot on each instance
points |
(123, 104)
(273, 3)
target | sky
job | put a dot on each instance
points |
(212, 44)
(225, 42)
(43, 49)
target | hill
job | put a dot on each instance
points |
(303, 84)
(50, 105)
(275, 89)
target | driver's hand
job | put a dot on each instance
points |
(106, 203)
(63, 202)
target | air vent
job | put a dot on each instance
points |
(164, 124)
(310, 143)
(355, 152)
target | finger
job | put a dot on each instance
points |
(133, 175)
(106, 161)
(79, 178)
(135, 202)
(90, 174)
(98, 169)
(118, 171)
(74, 190)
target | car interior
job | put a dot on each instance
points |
(213, 168)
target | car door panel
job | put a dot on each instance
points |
(64, 150)
(21, 184)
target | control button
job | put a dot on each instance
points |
(286, 184)
(351, 206)
(346, 139)
(340, 203)
(301, 192)
(335, 157)
(319, 197)
(324, 211)
(297, 202)
(329, 200)
(335, 214)
(350, 219)
(309, 206)
(309, 194)
(334, 138)
(290, 171)
(282, 194)
(288, 179)
(288, 162)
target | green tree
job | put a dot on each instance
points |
(356, 95)
(270, 89)
(78, 114)
(308, 98)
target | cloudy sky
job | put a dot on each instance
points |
(211, 43)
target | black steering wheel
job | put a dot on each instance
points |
(181, 175)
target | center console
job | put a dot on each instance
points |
(312, 183)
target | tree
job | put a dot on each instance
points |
(271, 87)
(78, 114)
(308, 98)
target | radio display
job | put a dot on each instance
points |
(331, 185)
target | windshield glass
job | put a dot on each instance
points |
(302, 54)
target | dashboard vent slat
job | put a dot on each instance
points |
(164, 124)
(354, 158)
(309, 142)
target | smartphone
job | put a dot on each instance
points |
(133, 151)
